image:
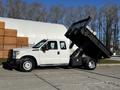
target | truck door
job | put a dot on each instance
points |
(64, 53)
(51, 55)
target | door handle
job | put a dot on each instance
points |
(58, 52)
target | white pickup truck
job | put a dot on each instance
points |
(54, 52)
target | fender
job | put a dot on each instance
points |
(33, 58)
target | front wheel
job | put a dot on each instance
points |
(26, 64)
(89, 63)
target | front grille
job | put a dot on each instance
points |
(10, 54)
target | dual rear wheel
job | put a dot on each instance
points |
(86, 62)
(89, 63)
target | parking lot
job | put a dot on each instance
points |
(103, 78)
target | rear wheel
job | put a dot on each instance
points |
(27, 64)
(89, 63)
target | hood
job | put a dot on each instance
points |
(23, 49)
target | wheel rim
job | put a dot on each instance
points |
(91, 64)
(27, 65)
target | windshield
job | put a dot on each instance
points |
(39, 44)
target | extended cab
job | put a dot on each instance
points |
(55, 52)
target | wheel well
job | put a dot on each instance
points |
(33, 58)
(87, 58)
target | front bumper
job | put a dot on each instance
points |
(11, 64)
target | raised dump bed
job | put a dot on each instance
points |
(80, 35)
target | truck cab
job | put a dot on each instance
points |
(51, 52)
(47, 52)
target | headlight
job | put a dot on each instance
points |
(15, 53)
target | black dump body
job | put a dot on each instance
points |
(83, 38)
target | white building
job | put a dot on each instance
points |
(35, 30)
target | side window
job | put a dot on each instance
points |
(52, 45)
(63, 45)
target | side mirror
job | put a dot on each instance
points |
(44, 48)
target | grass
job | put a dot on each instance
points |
(107, 61)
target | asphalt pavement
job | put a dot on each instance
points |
(115, 58)
(58, 78)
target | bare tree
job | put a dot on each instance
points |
(100, 26)
(36, 11)
(115, 29)
(55, 14)
(72, 14)
(109, 18)
(15, 8)
(2, 8)
(92, 12)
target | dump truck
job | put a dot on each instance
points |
(57, 52)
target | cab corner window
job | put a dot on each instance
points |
(63, 45)
(52, 45)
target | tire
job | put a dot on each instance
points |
(27, 64)
(89, 63)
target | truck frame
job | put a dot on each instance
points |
(57, 52)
